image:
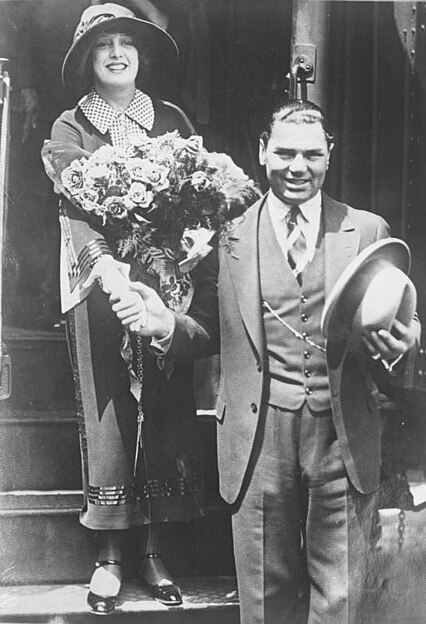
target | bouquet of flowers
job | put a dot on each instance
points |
(163, 197)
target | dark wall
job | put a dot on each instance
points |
(247, 50)
(376, 101)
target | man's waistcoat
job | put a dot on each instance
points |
(297, 370)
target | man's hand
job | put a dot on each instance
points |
(148, 316)
(129, 304)
(113, 277)
(388, 346)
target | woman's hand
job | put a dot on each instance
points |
(147, 315)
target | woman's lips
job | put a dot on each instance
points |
(116, 67)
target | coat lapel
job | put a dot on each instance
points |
(243, 263)
(342, 240)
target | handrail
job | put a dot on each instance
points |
(5, 381)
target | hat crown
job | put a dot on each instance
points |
(93, 15)
(373, 290)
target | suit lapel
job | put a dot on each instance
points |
(243, 263)
(342, 240)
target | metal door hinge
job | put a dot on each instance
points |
(5, 377)
(303, 62)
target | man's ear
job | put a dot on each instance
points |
(330, 148)
(262, 150)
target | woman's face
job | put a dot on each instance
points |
(115, 60)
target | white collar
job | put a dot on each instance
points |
(308, 220)
(101, 115)
(311, 210)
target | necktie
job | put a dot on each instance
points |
(297, 249)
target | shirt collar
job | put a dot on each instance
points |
(101, 115)
(311, 210)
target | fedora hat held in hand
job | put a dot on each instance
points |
(372, 292)
(106, 17)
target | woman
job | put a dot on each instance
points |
(126, 484)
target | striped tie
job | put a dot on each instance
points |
(297, 249)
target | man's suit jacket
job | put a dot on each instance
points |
(228, 296)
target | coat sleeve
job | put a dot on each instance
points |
(82, 243)
(196, 333)
(404, 374)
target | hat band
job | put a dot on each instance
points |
(92, 22)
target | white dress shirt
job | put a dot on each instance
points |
(308, 219)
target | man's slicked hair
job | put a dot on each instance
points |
(282, 108)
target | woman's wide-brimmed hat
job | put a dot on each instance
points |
(106, 17)
(372, 292)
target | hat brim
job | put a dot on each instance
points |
(146, 33)
(391, 250)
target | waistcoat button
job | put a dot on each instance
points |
(307, 373)
(303, 298)
(307, 355)
(253, 407)
(308, 391)
(304, 317)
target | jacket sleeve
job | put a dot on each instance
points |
(196, 333)
(83, 243)
(404, 374)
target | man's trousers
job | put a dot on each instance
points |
(301, 531)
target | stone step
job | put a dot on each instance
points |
(42, 378)
(38, 426)
(40, 450)
(41, 373)
(42, 541)
(395, 592)
(205, 601)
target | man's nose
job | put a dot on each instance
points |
(298, 164)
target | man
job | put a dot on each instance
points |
(298, 423)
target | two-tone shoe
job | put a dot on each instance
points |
(168, 593)
(102, 605)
